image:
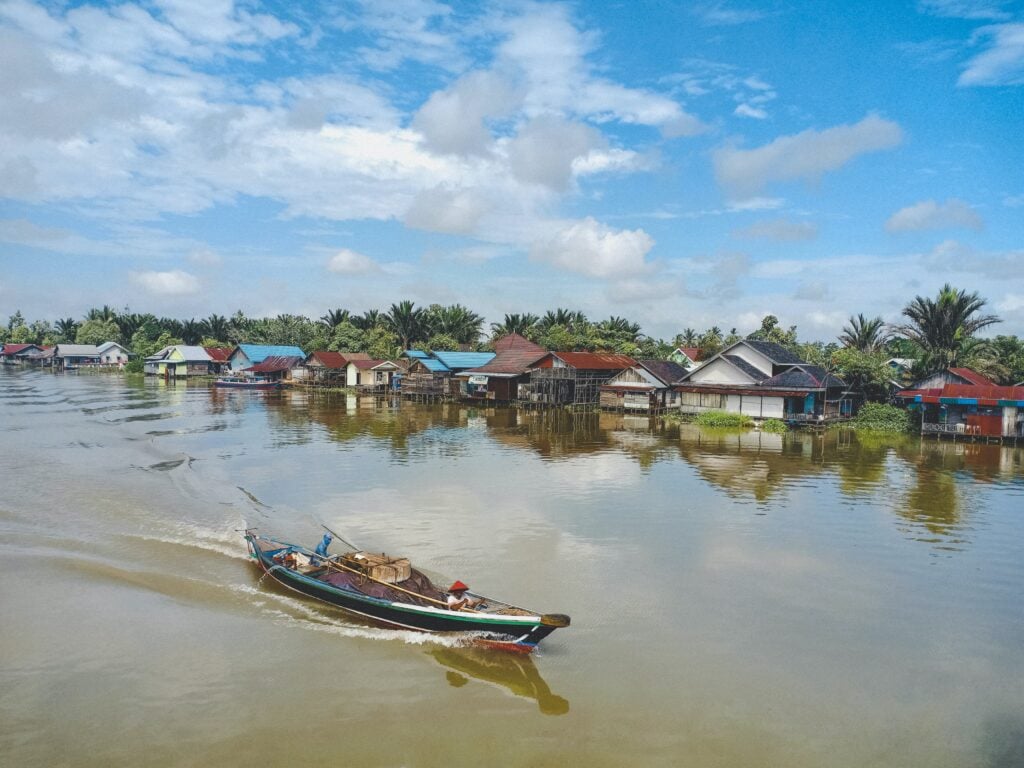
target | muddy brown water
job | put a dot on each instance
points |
(737, 599)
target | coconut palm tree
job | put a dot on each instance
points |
(941, 327)
(408, 322)
(864, 334)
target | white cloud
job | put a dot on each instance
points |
(1011, 302)
(806, 155)
(782, 230)
(346, 262)
(453, 211)
(173, 283)
(719, 13)
(746, 110)
(1003, 62)
(929, 214)
(453, 120)
(545, 150)
(591, 248)
(964, 9)
(1013, 201)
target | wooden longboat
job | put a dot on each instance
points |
(246, 382)
(414, 603)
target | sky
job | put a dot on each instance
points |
(681, 164)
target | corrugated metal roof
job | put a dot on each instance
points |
(366, 365)
(985, 395)
(78, 350)
(416, 354)
(257, 353)
(276, 363)
(460, 361)
(690, 352)
(331, 360)
(218, 354)
(809, 376)
(595, 361)
(774, 352)
(435, 366)
(193, 354)
(515, 361)
(667, 371)
(515, 341)
(973, 377)
(9, 350)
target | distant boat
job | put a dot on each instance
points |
(391, 591)
(246, 382)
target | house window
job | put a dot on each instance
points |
(703, 399)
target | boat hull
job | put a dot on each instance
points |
(247, 385)
(515, 633)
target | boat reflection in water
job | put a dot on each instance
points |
(514, 672)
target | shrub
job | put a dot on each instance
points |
(723, 419)
(774, 425)
(880, 417)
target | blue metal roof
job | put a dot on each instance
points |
(436, 366)
(457, 361)
(257, 353)
(416, 354)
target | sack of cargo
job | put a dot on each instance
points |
(378, 566)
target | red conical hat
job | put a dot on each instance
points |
(458, 586)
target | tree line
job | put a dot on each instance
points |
(934, 333)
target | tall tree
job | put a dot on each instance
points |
(66, 329)
(407, 322)
(941, 327)
(192, 331)
(455, 321)
(371, 318)
(863, 334)
(334, 318)
(216, 327)
(514, 323)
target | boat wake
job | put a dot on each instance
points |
(290, 611)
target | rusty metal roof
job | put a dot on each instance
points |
(335, 360)
(514, 357)
(218, 354)
(590, 361)
(972, 377)
(277, 363)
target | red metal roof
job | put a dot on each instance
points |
(275, 364)
(589, 361)
(218, 354)
(365, 365)
(13, 349)
(690, 352)
(985, 395)
(515, 356)
(973, 377)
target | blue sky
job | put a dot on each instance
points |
(683, 164)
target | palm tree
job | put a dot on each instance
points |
(863, 334)
(688, 338)
(407, 321)
(172, 326)
(67, 328)
(104, 314)
(456, 321)
(942, 327)
(334, 318)
(216, 327)
(371, 318)
(514, 323)
(192, 331)
(621, 328)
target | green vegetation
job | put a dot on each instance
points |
(774, 425)
(938, 333)
(880, 417)
(720, 419)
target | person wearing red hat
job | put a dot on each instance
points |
(458, 599)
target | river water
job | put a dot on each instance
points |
(737, 599)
